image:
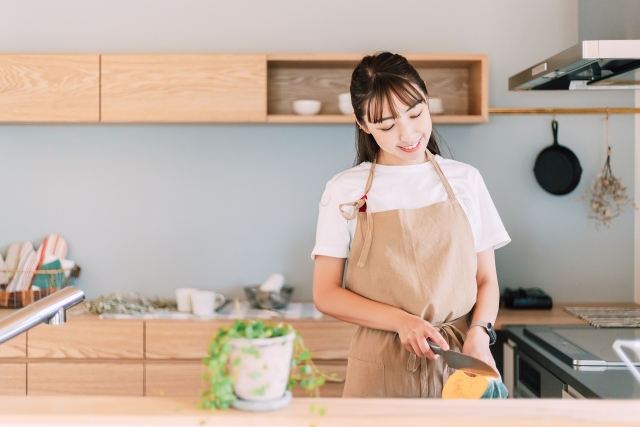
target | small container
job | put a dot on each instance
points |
(268, 300)
(344, 103)
(307, 107)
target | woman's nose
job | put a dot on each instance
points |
(405, 130)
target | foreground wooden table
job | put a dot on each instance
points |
(339, 412)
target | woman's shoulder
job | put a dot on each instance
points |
(347, 184)
(454, 169)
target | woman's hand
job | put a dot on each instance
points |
(414, 331)
(477, 345)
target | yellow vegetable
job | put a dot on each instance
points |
(462, 386)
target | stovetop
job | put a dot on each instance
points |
(583, 347)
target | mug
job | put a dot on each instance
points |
(205, 302)
(183, 298)
(634, 346)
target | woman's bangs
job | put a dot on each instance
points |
(384, 91)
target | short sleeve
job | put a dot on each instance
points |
(490, 231)
(332, 233)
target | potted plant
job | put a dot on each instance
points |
(256, 361)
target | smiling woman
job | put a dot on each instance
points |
(419, 239)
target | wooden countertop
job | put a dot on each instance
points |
(339, 412)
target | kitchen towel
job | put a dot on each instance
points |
(53, 280)
(4, 275)
(28, 261)
(13, 257)
(53, 244)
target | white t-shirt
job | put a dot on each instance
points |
(406, 187)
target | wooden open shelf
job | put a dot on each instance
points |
(461, 81)
(214, 88)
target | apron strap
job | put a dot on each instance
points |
(443, 179)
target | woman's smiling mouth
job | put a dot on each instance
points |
(411, 148)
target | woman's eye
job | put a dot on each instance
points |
(416, 116)
(389, 128)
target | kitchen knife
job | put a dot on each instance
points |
(463, 362)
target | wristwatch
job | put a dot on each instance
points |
(489, 328)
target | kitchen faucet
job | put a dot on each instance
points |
(51, 310)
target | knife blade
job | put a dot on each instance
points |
(463, 362)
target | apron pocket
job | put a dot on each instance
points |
(364, 379)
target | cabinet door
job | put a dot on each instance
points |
(98, 339)
(175, 379)
(13, 379)
(85, 379)
(15, 347)
(183, 88)
(49, 88)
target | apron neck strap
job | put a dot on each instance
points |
(443, 179)
(370, 179)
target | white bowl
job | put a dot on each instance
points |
(306, 107)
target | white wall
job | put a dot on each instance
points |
(150, 208)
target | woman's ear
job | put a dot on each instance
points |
(361, 126)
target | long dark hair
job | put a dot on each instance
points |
(374, 82)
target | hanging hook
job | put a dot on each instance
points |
(554, 116)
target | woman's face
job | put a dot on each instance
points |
(402, 140)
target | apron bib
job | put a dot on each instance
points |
(422, 261)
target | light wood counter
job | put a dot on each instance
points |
(339, 412)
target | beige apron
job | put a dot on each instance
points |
(422, 261)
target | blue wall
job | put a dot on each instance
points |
(149, 208)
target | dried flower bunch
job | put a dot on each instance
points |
(127, 303)
(607, 195)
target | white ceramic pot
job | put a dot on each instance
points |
(263, 370)
(307, 107)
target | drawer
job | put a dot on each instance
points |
(183, 379)
(103, 339)
(175, 379)
(13, 379)
(85, 378)
(330, 388)
(189, 339)
(15, 347)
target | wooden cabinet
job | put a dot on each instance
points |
(49, 88)
(183, 88)
(178, 378)
(13, 379)
(15, 347)
(214, 88)
(117, 378)
(461, 81)
(93, 339)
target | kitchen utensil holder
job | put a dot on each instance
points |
(20, 299)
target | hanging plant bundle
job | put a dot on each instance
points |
(607, 195)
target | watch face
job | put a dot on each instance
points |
(492, 334)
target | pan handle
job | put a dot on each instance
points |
(554, 128)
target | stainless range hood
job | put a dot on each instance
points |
(590, 65)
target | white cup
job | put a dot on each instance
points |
(183, 298)
(435, 106)
(205, 302)
(344, 103)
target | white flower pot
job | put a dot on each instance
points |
(260, 367)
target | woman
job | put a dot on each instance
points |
(419, 232)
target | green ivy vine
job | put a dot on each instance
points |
(220, 395)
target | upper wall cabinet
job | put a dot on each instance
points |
(460, 81)
(183, 88)
(49, 88)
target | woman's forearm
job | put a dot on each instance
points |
(347, 306)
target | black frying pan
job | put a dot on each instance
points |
(557, 169)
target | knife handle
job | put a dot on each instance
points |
(435, 348)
